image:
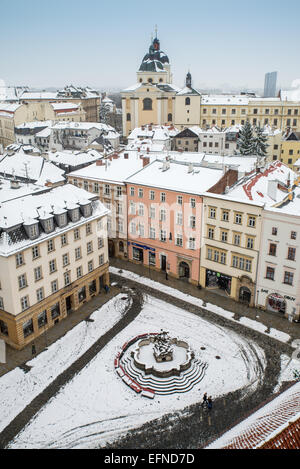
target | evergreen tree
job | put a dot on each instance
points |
(245, 142)
(260, 142)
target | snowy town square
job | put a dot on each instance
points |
(149, 229)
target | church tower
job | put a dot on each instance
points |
(155, 66)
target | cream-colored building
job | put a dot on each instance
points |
(53, 257)
(186, 107)
(12, 115)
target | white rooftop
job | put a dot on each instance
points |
(177, 177)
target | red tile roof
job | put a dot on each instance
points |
(289, 438)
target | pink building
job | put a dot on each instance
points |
(165, 216)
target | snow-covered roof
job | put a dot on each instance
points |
(175, 176)
(115, 171)
(223, 99)
(34, 124)
(82, 126)
(154, 132)
(64, 106)
(262, 187)
(73, 158)
(31, 207)
(188, 91)
(263, 424)
(35, 168)
(8, 110)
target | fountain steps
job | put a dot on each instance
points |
(164, 386)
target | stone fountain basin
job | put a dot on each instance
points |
(144, 359)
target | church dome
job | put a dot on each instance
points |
(155, 59)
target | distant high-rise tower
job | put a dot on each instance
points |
(270, 85)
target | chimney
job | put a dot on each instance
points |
(191, 168)
(99, 163)
(146, 161)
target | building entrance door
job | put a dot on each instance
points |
(163, 263)
(69, 304)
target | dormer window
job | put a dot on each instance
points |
(86, 210)
(32, 230)
(62, 219)
(74, 214)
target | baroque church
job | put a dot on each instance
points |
(154, 99)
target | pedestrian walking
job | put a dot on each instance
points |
(106, 288)
(33, 349)
(209, 402)
(204, 400)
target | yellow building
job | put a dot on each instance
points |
(290, 149)
(153, 99)
(12, 115)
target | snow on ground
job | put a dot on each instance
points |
(18, 389)
(288, 366)
(96, 406)
(257, 326)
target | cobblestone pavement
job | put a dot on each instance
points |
(23, 418)
(16, 358)
(269, 319)
(192, 427)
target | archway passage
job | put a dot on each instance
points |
(245, 295)
(276, 303)
(184, 270)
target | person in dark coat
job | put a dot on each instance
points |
(106, 288)
(209, 403)
(33, 349)
(204, 401)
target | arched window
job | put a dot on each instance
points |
(187, 101)
(160, 80)
(169, 117)
(128, 117)
(150, 80)
(141, 80)
(147, 102)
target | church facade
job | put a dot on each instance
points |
(155, 100)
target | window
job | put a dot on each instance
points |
(152, 232)
(128, 117)
(152, 212)
(251, 221)
(64, 239)
(42, 319)
(288, 278)
(272, 249)
(96, 187)
(141, 230)
(38, 273)
(106, 189)
(54, 286)
(24, 303)
(162, 214)
(3, 328)
(237, 239)
(225, 215)
(224, 236)
(141, 210)
(152, 260)
(179, 240)
(39, 294)
(89, 247)
(132, 208)
(132, 191)
(250, 243)
(291, 254)
(67, 278)
(170, 117)
(132, 228)
(100, 243)
(151, 195)
(141, 193)
(293, 235)
(35, 252)
(86, 185)
(212, 213)
(76, 234)
(223, 258)
(52, 266)
(88, 228)
(192, 243)
(211, 233)
(192, 221)
(209, 254)
(147, 104)
(55, 310)
(119, 191)
(162, 196)
(163, 235)
(50, 245)
(179, 199)
(65, 259)
(193, 202)
(22, 281)
(187, 101)
(19, 259)
(274, 231)
(101, 259)
(238, 218)
(270, 273)
(28, 328)
(179, 218)
(90, 266)
(1, 303)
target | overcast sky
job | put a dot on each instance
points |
(101, 43)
